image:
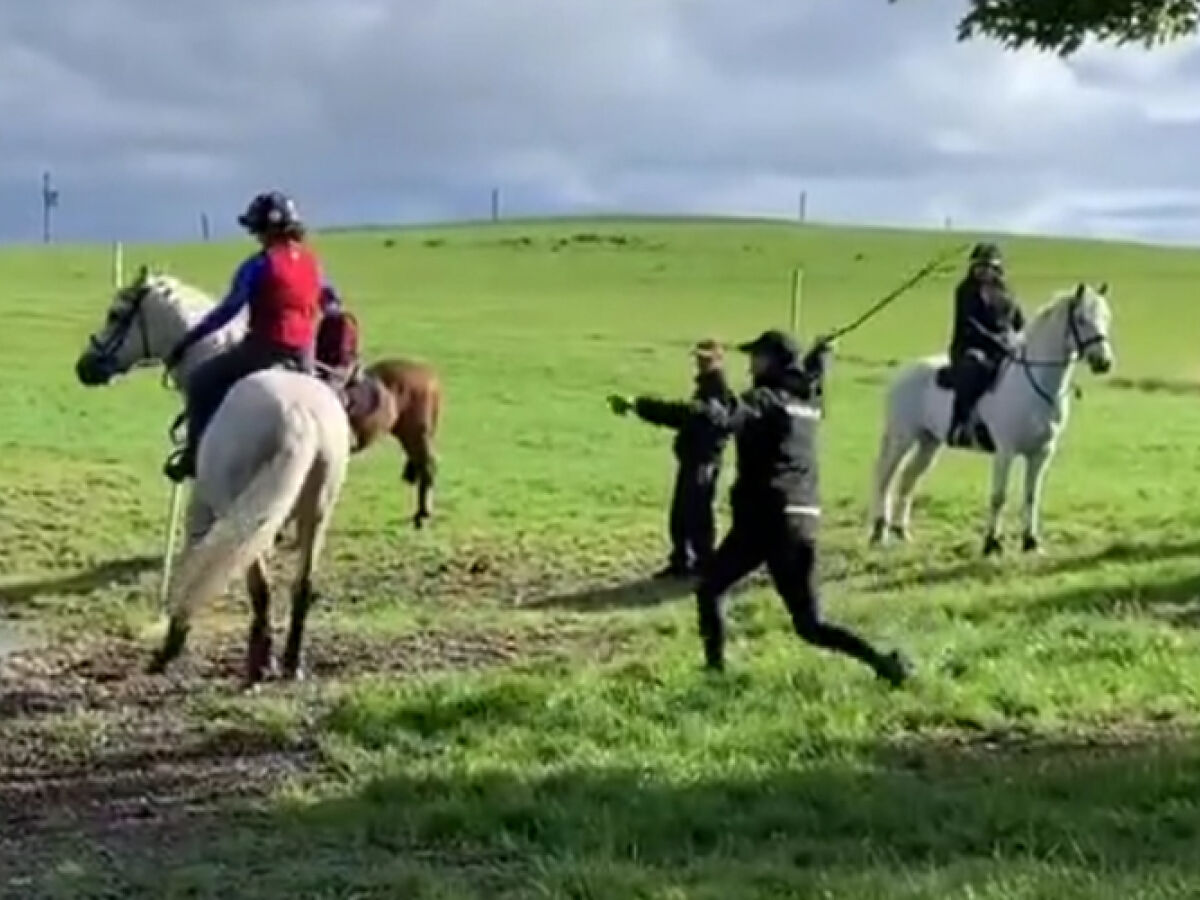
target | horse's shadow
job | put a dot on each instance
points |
(635, 594)
(1117, 552)
(105, 575)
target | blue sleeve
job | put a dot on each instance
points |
(245, 281)
(330, 301)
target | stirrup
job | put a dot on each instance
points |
(180, 465)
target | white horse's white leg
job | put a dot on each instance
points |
(1036, 465)
(918, 464)
(1001, 467)
(893, 448)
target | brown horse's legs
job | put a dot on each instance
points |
(258, 653)
(419, 470)
(424, 493)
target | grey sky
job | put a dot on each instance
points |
(149, 111)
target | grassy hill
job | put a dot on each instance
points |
(496, 713)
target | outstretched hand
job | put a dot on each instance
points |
(619, 404)
(825, 342)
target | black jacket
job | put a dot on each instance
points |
(775, 426)
(980, 325)
(699, 423)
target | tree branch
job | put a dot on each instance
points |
(1062, 26)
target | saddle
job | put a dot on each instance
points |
(363, 396)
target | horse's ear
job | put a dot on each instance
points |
(1103, 289)
(143, 276)
(1080, 290)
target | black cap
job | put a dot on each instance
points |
(777, 344)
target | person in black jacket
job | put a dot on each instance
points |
(986, 317)
(776, 503)
(699, 443)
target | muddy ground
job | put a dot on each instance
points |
(97, 756)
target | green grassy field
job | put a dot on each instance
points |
(500, 710)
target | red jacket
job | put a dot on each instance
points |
(285, 304)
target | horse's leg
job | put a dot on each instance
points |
(1001, 466)
(258, 653)
(893, 448)
(312, 524)
(199, 519)
(420, 466)
(918, 464)
(1036, 465)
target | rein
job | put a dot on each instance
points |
(930, 268)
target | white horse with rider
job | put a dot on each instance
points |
(1023, 414)
(277, 447)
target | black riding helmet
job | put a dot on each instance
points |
(272, 213)
(986, 254)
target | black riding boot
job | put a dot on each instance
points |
(960, 412)
(181, 464)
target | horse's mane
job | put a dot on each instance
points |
(1051, 306)
(187, 298)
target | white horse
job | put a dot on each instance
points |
(278, 446)
(1022, 415)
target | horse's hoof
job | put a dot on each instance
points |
(900, 533)
(992, 546)
(256, 675)
(1030, 544)
(418, 521)
(879, 533)
(293, 673)
(157, 665)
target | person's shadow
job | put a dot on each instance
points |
(634, 594)
(104, 575)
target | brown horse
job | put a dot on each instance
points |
(404, 399)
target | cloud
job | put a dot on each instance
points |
(400, 110)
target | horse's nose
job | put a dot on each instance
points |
(87, 371)
(1102, 365)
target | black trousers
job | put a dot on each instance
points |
(211, 381)
(973, 372)
(787, 544)
(692, 523)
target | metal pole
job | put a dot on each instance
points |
(797, 291)
(164, 586)
(118, 264)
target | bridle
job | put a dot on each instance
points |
(1076, 343)
(104, 351)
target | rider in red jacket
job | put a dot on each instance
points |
(282, 288)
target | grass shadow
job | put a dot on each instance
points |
(977, 567)
(1175, 600)
(104, 575)
(635, 594)
(1097, 820)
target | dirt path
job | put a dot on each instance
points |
(98, 758)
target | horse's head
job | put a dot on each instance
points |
(140, 326)
(1089, 319)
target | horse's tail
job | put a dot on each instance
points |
(247, 529)
(903, 420)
